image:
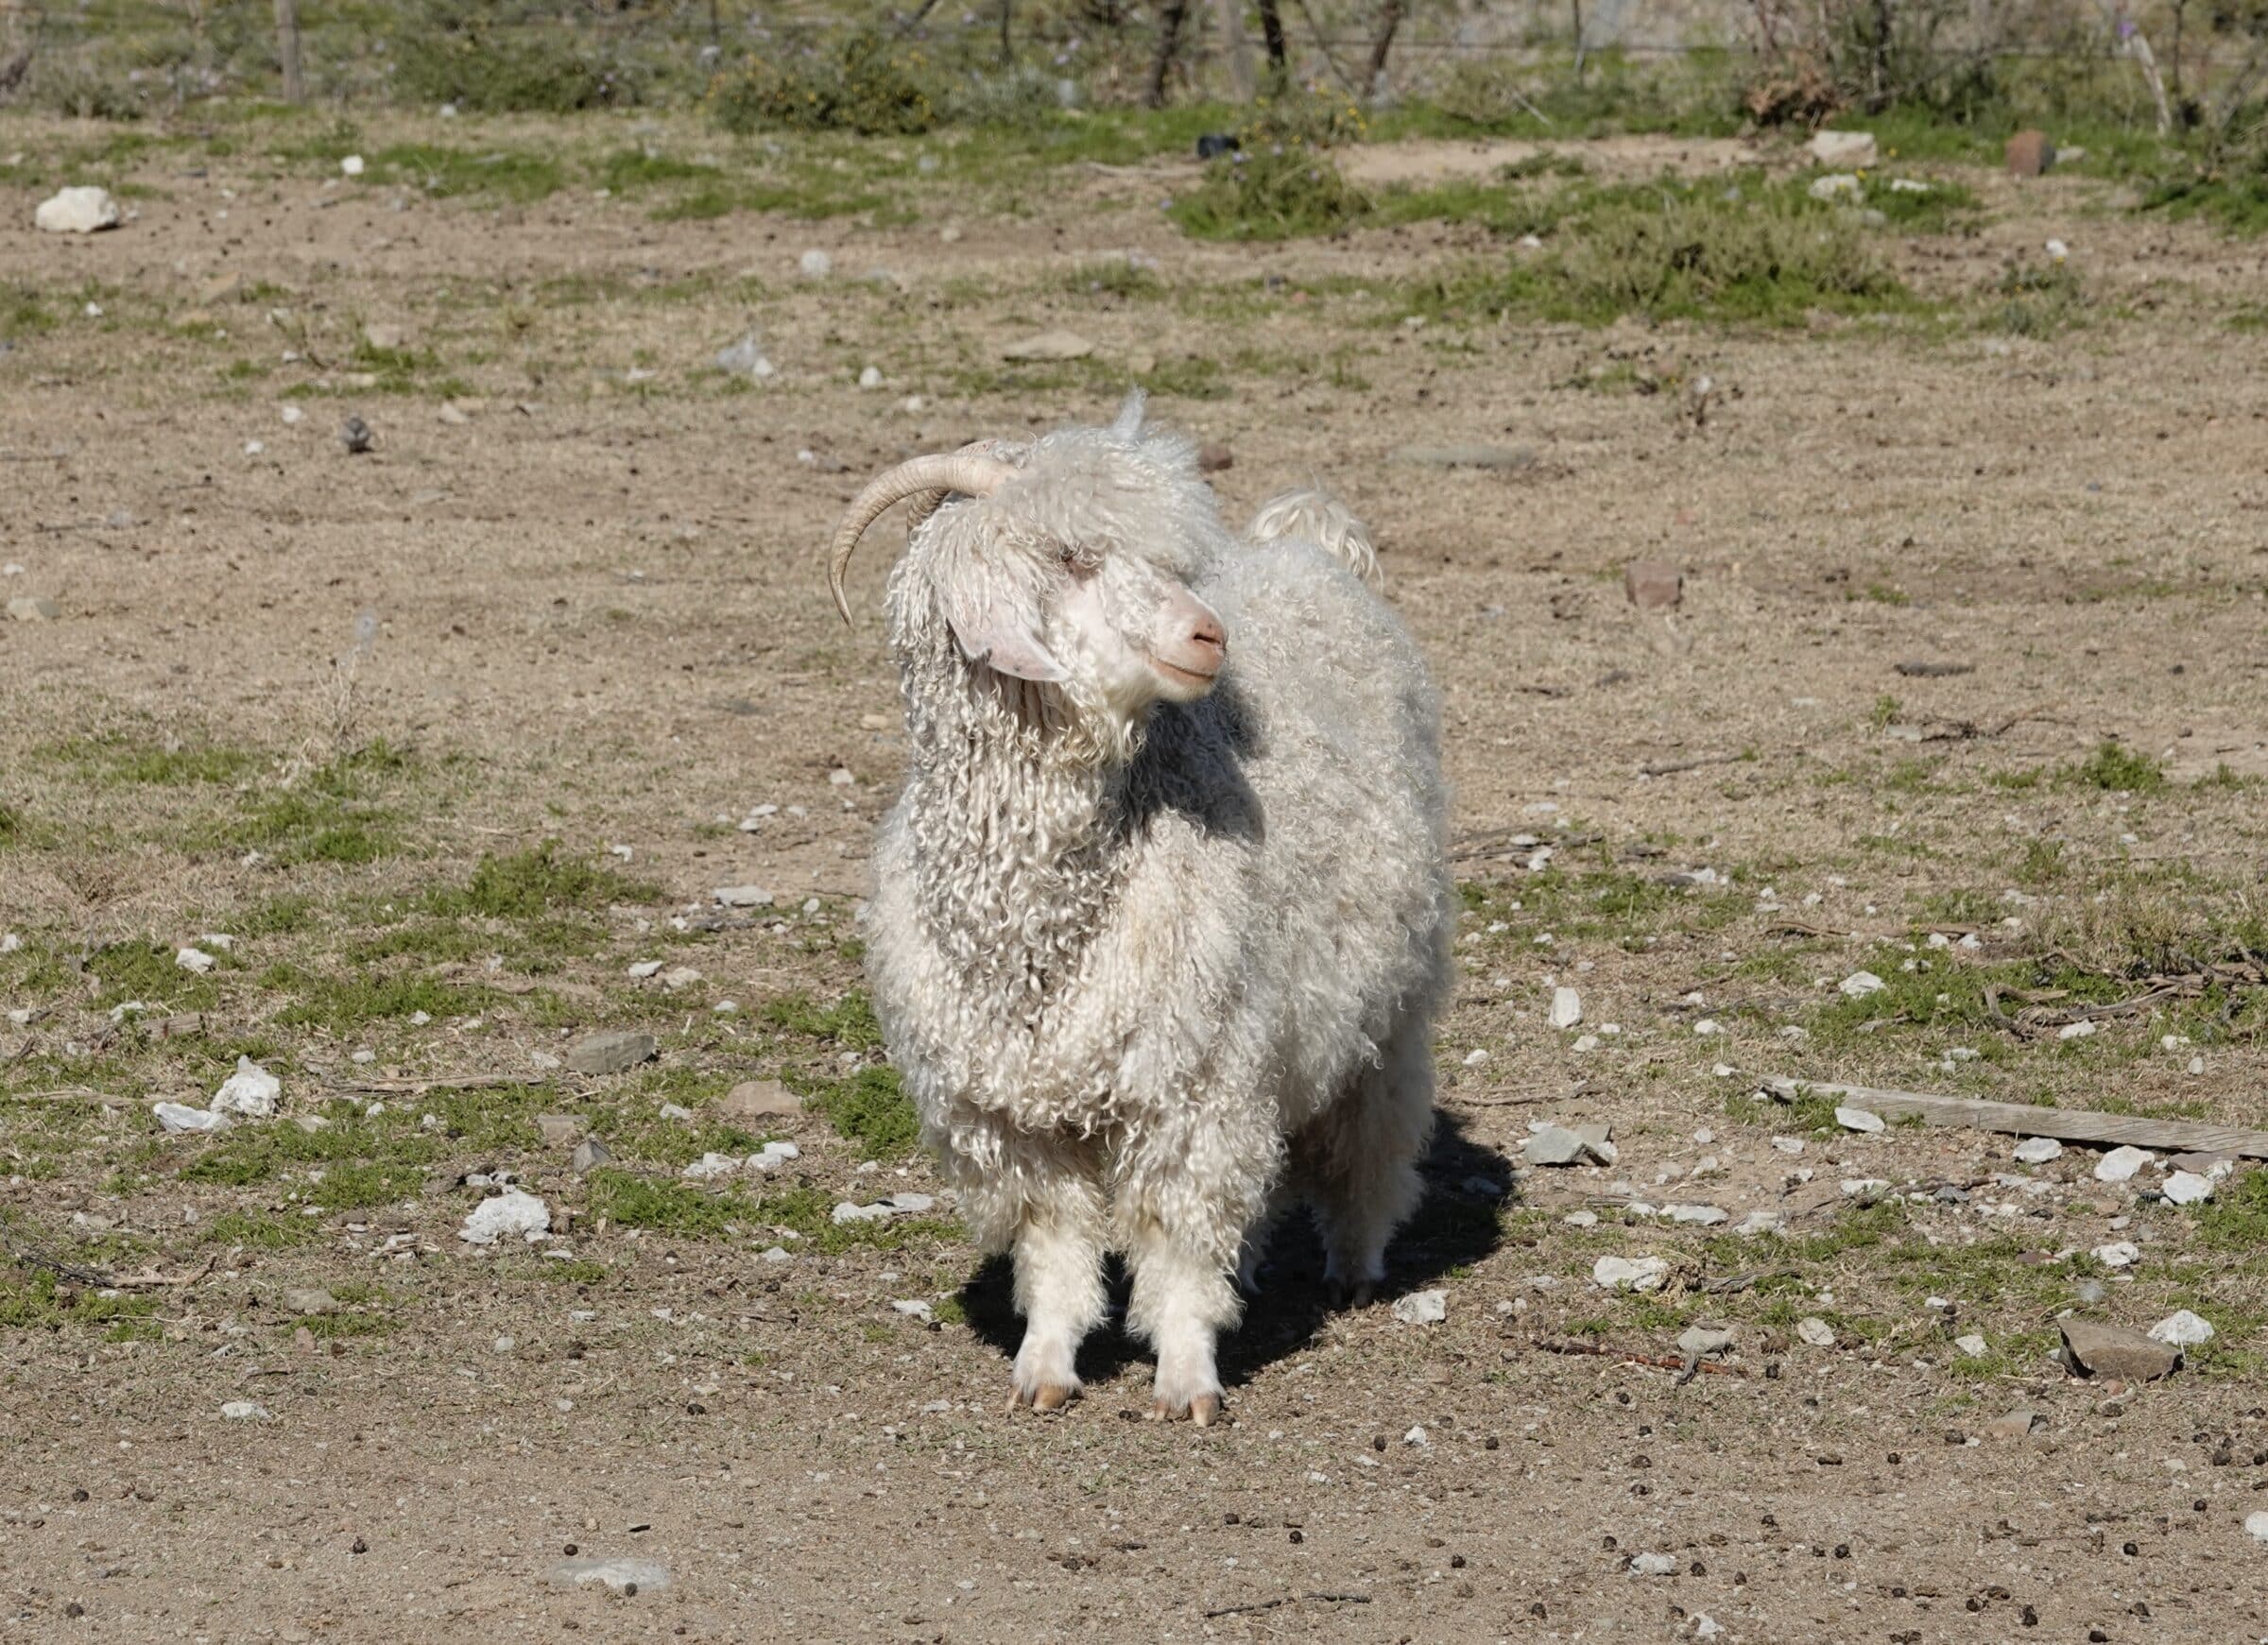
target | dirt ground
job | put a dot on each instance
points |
(293, 696)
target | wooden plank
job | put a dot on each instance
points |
(2024, 1119)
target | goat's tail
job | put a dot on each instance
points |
(1318, 516)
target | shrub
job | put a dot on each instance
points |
(861, 83)
(498, 59)
(1270, 195)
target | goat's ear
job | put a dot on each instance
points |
(993, 634)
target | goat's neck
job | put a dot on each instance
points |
(1019, 837)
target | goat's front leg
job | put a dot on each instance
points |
(1184, 1298)
(1059, 1242)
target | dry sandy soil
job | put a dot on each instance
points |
(594, 615)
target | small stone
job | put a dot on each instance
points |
(2182, 1329)
(178, 1117)
(743, 896)
(380, 334)
(870, 377)
(1049, 345)
(1423, 1308)
(1836, 186)
(2029, 153)
(1697, 1342)
(1860, 983)
(914, 1310)
(1975, 1347)
(710, 1166)
(1652, 585)
(515, 1211)
(589, 1154)
(1860, 1119)
(33, 609)
(746, 358)
(1568, 1145)
(1655, 1565)
(2091, 1349)
(355, 434)
(1467, 457)
(816, 265)
(1757, 1224)
(1849, 150)
(606, 1053)
(195, 959)
(1816, 1332)
(2084, 1029)
(1567, 1008)
(559, 1130)
(2038, 1150)
(250, 1091)
(351, 166)
(1629, 1272)
(2186, 1188)
(2016, 1424)
(627, 1577)
(898, 1204)
(760, 1100)
(2121, 1163)
(2256, 1525)
(1707, 1216)
(245, 1410)
(77, 211)
(308, 1299)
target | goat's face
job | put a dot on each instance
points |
(1065, 566)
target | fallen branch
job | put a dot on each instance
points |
(1671, 767)
(1660, 1362)
(2022, 1120)
(1289, 1599)
(1969, 731)
(149, 1279)
(476, 1082)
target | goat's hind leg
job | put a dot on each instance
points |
(1358, 1162)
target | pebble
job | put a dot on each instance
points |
(2186, 1188)
(2121, 1163)
(2084, 1029)
(2256, 1525)
(589, 1154)
(1858, 1120)
(1567, 1008)
(1975, 1347)
(308, 1299)
(743, 896)
(898, 1204)
(710, 1166)
(2182, 1329)
(1467, 457)
(86, 210)
(1816, 1332)
(250, 1091)
(624, 1576)
(1652, 585)
(1423, 1308)
(1049, 345)
(604, 1053)
(1759, 1223)
(245, 1410)
(355, 434)
(351, 166)
(746, 358)
(2016, 1424)
(816, 265)
(33, 609)
(177, 1117)
(514, 1212)
(1788, 1144)
(870, 377)
(1698, 1340)
(760, 1100)
(914, 1310)
(1708, 1216)
(195, 959)
(1855, 149)
(2118, 1254)
(2038, 1150)
(1654, 1564)
(1860, 983)
(1629, 1272)
(2091, 1347)
(1550, 1144)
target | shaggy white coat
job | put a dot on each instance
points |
(1148, 978)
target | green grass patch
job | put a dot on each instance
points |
(871, 1109)
(38, 1301)
(330, 814)
(2116, 768)
(532, 883)
(260, 1230)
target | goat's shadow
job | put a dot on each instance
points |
(1468, 1186)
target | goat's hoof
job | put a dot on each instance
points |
(1204, 1410)
(1349, 1296)
(1052, 1397)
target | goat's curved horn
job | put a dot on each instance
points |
(964, 471)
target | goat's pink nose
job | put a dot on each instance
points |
(1206, 632)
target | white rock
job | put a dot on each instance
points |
(1908, 185)
(1708, 1025)
(2121, 1163)
(1708, 1216)
(772, 1155)
(773, 1254)
(898, 1204)
(1759, 1223)
(1865, 1188)
(912, 1309)
(1787, 1144)
(78, 211)
(710, 1166)
(746, 358)
(1581, 1219)
(648, 967)
(1567, 1008)
(2183, 1330)
(1654, 1564)
(514, 1212)
(870, 377)
(2118, 1254)
(10, 942)
(244, 1411)
(1854, 149)
(1629, 1272)
(2256, 1525)
(1860, 983)
(1696, 1340)
(1975, 1347)
(1587, 1043)
(177, 1117)
(1423, 1308)
(1816, 1332)
(2084, 1029)
(351, 166)
(1858, 1120)
(2186, 1188)
(817, 265)
(744, 897)
(251, 1092)
(195, 959)
(2038, 1150)
(1836, 186)
(1417, 1436)
(621, 1575)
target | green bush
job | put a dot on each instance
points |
(499, 60)
(861, 83)
(1270, 195)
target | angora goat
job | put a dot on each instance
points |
(1162, 917)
